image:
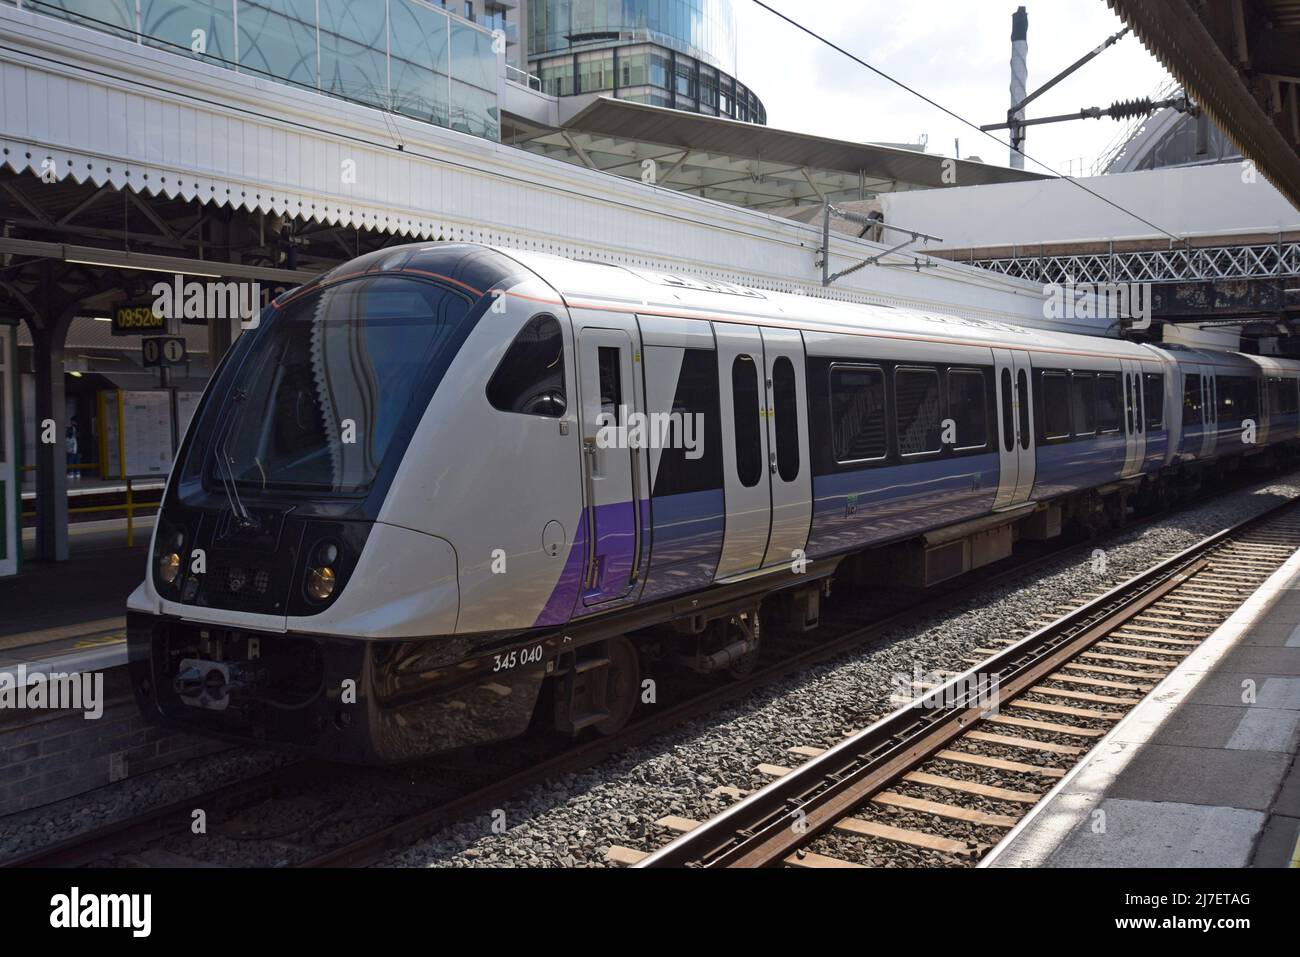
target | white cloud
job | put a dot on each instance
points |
(957, 52)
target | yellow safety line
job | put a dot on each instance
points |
(1295, 854)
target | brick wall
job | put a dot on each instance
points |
(47, 756)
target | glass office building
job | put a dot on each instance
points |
(408, 56)
(675, 53)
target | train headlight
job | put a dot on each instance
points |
(320, 582)
(169, 568)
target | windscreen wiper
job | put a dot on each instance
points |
(227, 474)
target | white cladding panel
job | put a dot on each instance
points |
(1217, 200)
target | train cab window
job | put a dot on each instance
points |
(362, 350)
(749, 442)
(1083, 404)
(858, 429)
(1153, 389)
(786, 419)
(1055, 403)
(1008, 413)
(530, 376)
(1192, 399)
(968, 408)
(916, 394)
(1108, 403)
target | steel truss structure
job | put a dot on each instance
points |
(1179, 264)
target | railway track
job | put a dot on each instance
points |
(942, 779)
(121, 841)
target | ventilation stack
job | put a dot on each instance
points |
(1019, 76)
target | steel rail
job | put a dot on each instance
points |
(773, 822)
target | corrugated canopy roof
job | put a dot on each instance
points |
(745, 163)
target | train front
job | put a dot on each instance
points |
(271, 585)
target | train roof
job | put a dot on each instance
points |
(630, 288)
(604, 286)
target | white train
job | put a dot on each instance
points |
(400, 511)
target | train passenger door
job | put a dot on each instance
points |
(745, 482)
(1134, 423)
(1209, 411)
(612, 462)
(1015, 428)
(788, 468)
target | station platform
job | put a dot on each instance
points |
(69, 618)
(1203, 773)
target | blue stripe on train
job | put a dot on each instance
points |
(1070, 466)
(871, 505)
(687, 542)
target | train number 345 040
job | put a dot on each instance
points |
(520, 656)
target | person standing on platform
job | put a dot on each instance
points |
(73, 449)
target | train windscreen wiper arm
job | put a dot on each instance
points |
(227, 474)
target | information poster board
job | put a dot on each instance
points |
(135, 429)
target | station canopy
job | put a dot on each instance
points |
(1240, 62)
(745, 164)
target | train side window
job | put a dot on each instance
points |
(1192, 398)
(916, 393)
(1238, 398)
(696, 467)
(968, 408)
(530, 377)
(749, 443)
(1008, 413)
(1022, 397)
(858, 429)
(611, 381)
(1083, 400)
(785, 407)
(1108, 403)
(1153, 387)
(1055, 406)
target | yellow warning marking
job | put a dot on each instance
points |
(1295, 854)
(101, 640)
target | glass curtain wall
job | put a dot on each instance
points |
(407, 56)
(702, 29)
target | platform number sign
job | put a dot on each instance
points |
(163, 351)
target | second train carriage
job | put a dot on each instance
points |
(400, 508)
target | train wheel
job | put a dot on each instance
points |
(622, 684)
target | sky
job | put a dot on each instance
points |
(957, 52)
